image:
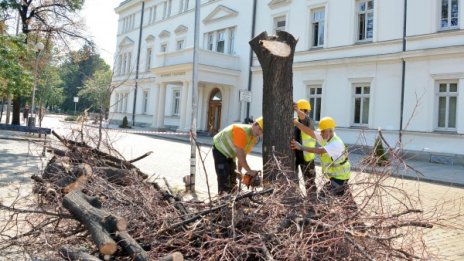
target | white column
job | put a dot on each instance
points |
(154, 105)
(188, 118)
(201, 93)
(184, 110)
(161, 105)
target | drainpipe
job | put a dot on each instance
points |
(403, 73)
(138, 61)
(253, 22)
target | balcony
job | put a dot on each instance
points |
(206, 57)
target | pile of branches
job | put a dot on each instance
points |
(94, 205)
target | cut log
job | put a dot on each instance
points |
(122, 177)
(98, 222)
(275, 54)
(133, 249)
(176, 256)
(72, 254)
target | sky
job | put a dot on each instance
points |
(101, 22)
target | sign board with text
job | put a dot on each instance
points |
(76, 99)
(245, 96)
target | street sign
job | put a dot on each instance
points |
(76, 99)
(245, 96)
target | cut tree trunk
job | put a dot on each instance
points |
(98, 222)
(275, 54)
(133, 249)
(72, 254)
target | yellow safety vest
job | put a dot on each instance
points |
(338, 168)
(224, 143)
(309, 142)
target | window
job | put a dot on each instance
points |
(118, 102)
(129, 61)
(180, 45)
(152, 14)
(365, 19)
(449, 14)
(361, 104)
(124, 102)
(169, 8)
(315, 98)
(145, 102)
(186, 5)
(165, 8)
(220, 41)
(124, 63)
(318, 17)
(279, 24)
(183, 6)
(231, 41)
(119, 68)
(149, 54)
(447, 96)
(176, 103)
(164, 48)
(210, 41)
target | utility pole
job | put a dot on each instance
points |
(193, 130)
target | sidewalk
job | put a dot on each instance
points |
(450, 175)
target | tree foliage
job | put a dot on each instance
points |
(15, 78)
(97, 90)
(75, 71)
(49, 89)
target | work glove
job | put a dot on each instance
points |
(295, 145)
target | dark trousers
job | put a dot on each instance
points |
(308, 169)
(225, 171)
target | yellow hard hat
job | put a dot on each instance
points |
(259, 120)
(326, 123)
(303, 104)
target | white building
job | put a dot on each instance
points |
(165, 67)
(348, 62)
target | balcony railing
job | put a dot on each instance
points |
(185, 56)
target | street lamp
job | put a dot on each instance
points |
(38, 48)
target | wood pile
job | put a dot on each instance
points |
(93, 205)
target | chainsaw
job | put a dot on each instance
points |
(250, 181)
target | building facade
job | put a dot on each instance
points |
(359, 61)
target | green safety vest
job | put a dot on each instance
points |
(338, 168)
(223, 140)
(309, 142)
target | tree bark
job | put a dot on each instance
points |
(98, 222)
(122, 177)
(275, 54)
(131, 246)
(72, 254)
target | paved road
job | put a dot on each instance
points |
(171, 161)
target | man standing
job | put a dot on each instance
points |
(235, 141)
(26, 114)
(334, 156)
(303, 159)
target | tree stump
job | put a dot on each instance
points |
(275, 54)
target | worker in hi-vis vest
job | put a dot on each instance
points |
(334, 156)
(303, 159)
(235, 141)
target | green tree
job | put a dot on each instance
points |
(55, 18)
(14, 77)
(75, 71)
(49, 93)
(97, 90)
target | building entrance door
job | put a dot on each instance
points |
(214, 112)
